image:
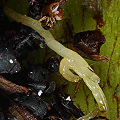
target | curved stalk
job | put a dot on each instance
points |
(71, 59)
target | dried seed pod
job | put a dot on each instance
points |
(89, 42)
(51, 13)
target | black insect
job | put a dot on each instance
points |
(52, 64)
(8, 61)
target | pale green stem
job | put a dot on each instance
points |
(75, 61)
